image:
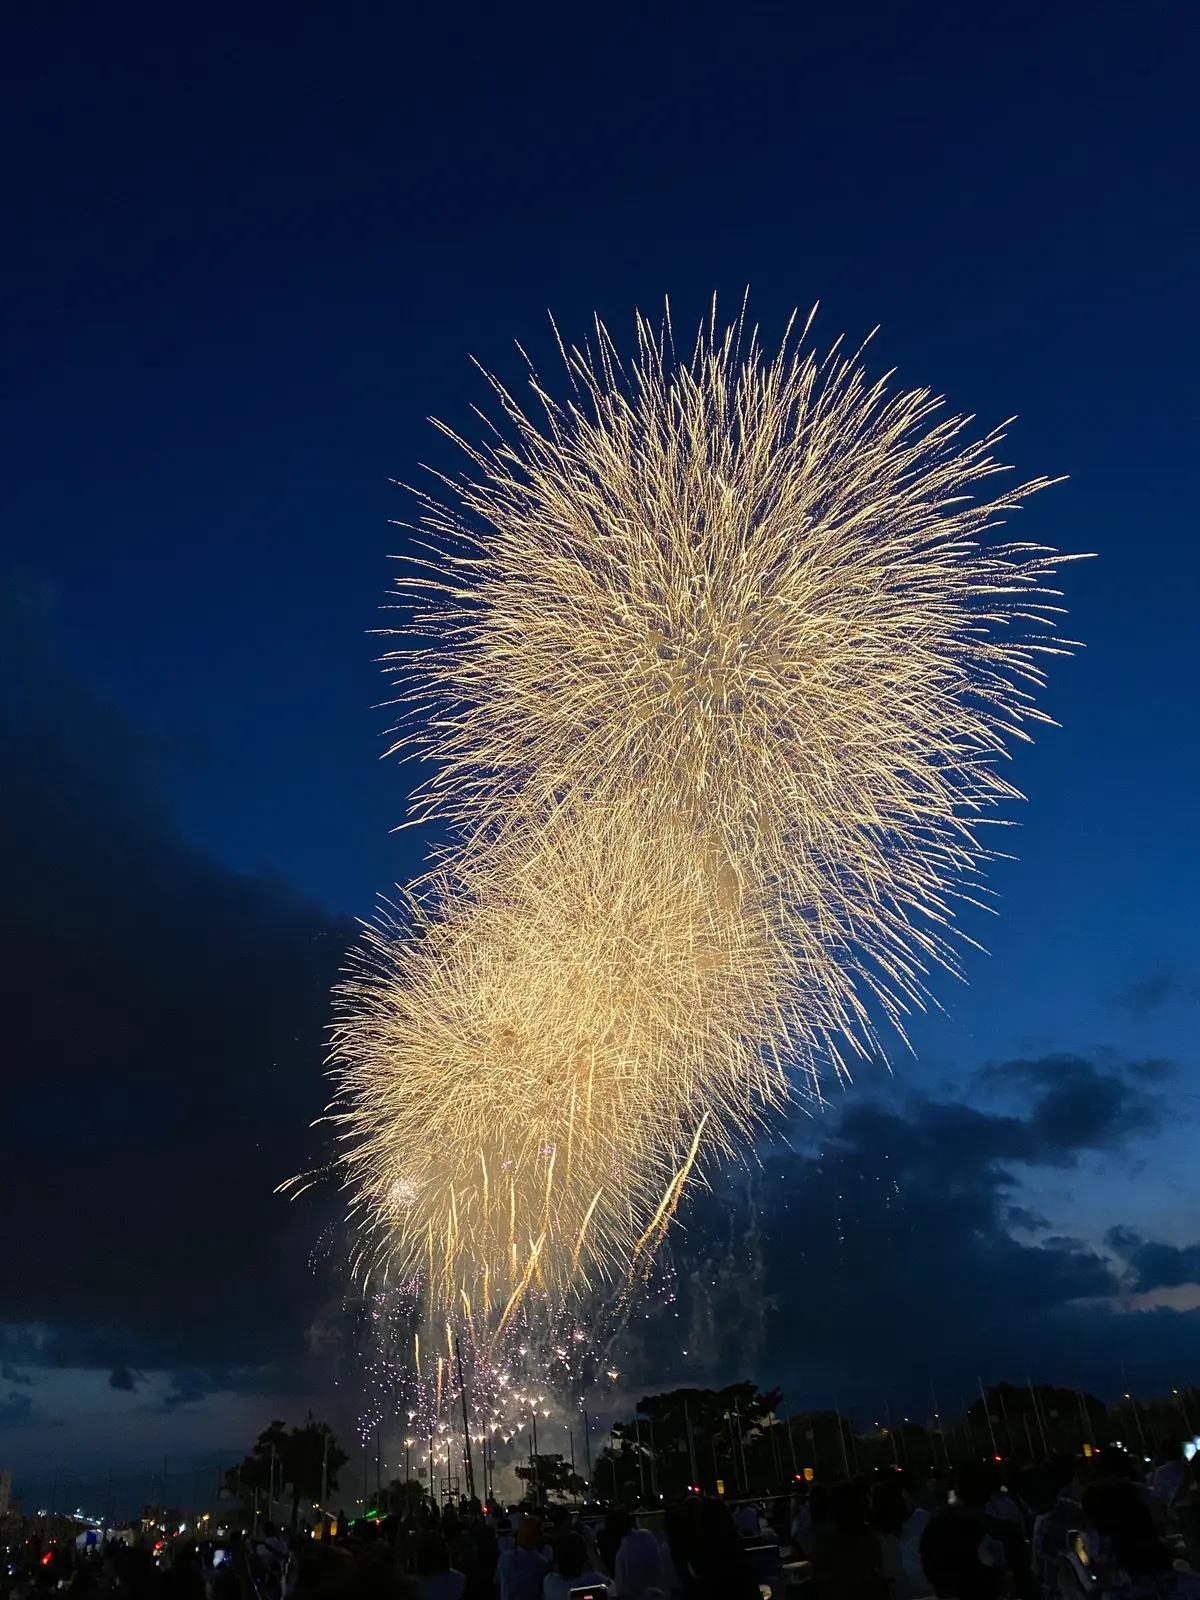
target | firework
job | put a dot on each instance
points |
(754, 594)
(717, 664)
(526, 1085)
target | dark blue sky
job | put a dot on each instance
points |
(250, 249)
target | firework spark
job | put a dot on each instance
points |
(717, 665)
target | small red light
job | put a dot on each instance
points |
(48, 1558)
(997, 1458)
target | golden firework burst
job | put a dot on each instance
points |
(527, 1084)
(717, 663)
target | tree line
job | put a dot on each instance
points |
(734, 1441)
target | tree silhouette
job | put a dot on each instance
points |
(304, 1460)
(693, 1435)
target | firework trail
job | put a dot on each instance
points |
(717, 664)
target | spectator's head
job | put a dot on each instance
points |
(433, 1555)
(1119, 1514)
(1062, 1475)
(889, 1506)
(529, 1534)
(640, 1562)
(1169, 1449)
(950, 1556)
(820, 1502)
(570, 1554)
(617, 1522)
(715, 1528)
(848, 1506)
(973, 1484)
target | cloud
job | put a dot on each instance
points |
(1079, 1106)
(122, 1378)
(1148, 995)
(1153, 1265)
(897, 1251)
(16, 1410)
(164, 1025)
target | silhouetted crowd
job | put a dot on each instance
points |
(985, 1531)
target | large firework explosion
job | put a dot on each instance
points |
(527, 1084)
(755, 595)
(717, 664)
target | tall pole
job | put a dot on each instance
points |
(637, 1433)
(1137, 1415)
(462, 1390)
(1037, 1411)
(432, 1501)
(1187, 1421)
(887, 1411)
(691, 1439)
(987, 1416)
(837, 1411)
(1004, 1416)
(587, 1447)
(1084, 1413)
(937, 1417)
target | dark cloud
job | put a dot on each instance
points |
(889, 1254)
(16, 1410)
(1152, 1264)
(1078, 1106)
(188, 1384)
(122, 1378)
(164, 1025)
(1142, 998)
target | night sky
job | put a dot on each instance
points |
(247, 252)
